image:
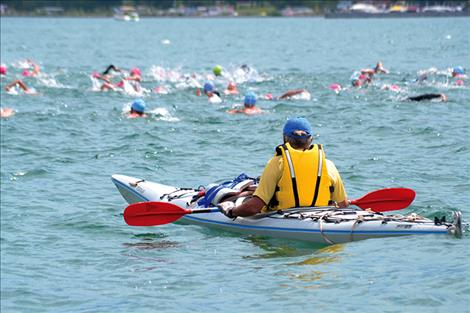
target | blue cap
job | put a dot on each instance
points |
(208, 86)
(458, 70)
(138, 106)
(297, 124)
(250, 99)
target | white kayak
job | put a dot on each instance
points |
(326, 225)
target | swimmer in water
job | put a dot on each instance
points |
(458, 72)
(248, 105)
(231, 89)
(429, 96)
(378, 69)
(133, 80)
(137, 109)
(213, 95)
(302, 94)
(105, 76)
(20, 84)
(6, 112)
(359, 79)
(291, 93)
(33, 70)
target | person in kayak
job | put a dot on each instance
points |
(429, 96)
(137, 109)
(249, 105)
(299, 175)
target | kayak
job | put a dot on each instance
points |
(327, 225)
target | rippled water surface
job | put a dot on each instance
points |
(64, 244)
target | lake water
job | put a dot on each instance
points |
(64, 244)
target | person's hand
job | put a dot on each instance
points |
(226, 208)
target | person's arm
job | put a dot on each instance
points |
(23, 86)
(109, 68)
(367, 71)
(17, 82)
(248, 208)
(291, 93)
(339, 193)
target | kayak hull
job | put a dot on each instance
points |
(353, 225)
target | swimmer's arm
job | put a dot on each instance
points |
(291, 93)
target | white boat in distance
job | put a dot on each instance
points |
(126, 13)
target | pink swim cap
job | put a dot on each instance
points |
(335, 87)
(3, 70)
(26, 73)
(394, 88)
(95, 74)
(135, 71)
(268, 96)
(459, 82)
(120, 84)
(362, 76)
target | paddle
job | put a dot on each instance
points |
(159, 213)
(387, 199)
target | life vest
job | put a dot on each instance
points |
(304, 181)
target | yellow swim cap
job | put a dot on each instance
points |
(217, 70)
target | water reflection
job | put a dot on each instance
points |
(164, 244)
(278, 248)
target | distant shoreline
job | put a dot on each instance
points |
(396, 14)
(338, 15)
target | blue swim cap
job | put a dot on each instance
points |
(250, 99)
(458, 70)
(208, 86)
(138, 106)
(297, 123)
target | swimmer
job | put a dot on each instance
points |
(137, 109)
(302, 93)
(135, 75)
(294, 93)
(3, 69)
(231, 89)
(429, 96)
(392, 87)
(249, 105)
(133, 79)
(35, 69)
(106, 77)
(213, 95)
(10, 87)
(360, 79)
(217, 70)
(458, 72)
(336, 87)
(378, 69)
(6, 112)
(160, 90)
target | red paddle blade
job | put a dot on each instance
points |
(152, 213)
(388, 199)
